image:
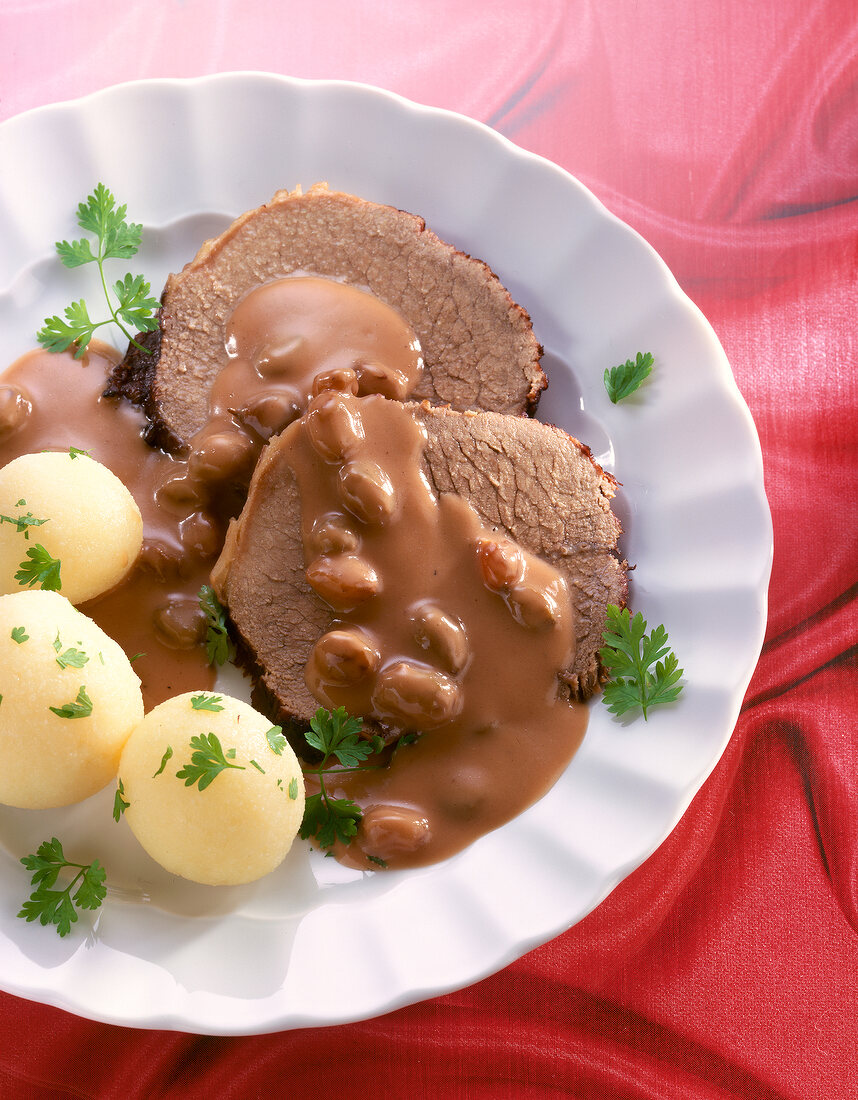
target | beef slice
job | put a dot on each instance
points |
(478, 345)
(528, 480)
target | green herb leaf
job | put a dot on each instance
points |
(119, 803)
(208, 760)
(334, 734)
(99, 215)
(40, 569)
(644, 671)
(276, 740)
(76, 452)
(219, 648)
(58, 907)
(57, 334)
(72, 658)
(116, 238)
(206, 702)
(327, 820)
(258, 767)
(292, 790)
(23, 523)
(133, 305)
(80, 708)
(75, 253)
(167, 755)
(623, 380)
(20, 635)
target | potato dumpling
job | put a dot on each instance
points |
(232, 812)
(92, 524)
(68, 700)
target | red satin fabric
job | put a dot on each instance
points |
(726, 132)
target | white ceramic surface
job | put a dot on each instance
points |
(187, 156)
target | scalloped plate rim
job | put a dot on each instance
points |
(179, 1013)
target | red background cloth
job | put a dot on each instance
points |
(726, 132)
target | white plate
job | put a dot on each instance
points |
(313, 944)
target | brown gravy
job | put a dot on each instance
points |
(440, 627)
(283, 333)
(280, 336)
(441, 655)
(63, 407)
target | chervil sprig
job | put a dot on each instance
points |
(168, 754)
(328, 820)
(40, 568)
(24, 522)
(205, 701)
(116, 238)
(85, 890)
(69, 658)
(80, 708)
(276, 740)
(623, 380)
(219, 647)
(334, 734)
(208, 760)
(644, 671)
(120, 803)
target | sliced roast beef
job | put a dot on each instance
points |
(542, 487)
(478, 346)
(527, 481)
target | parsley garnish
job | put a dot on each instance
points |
(74, 658)
(119, 803)
(335, 734)
(219, 648)
(23, 523)
(164, 760)
(75, 452)
(629, 656)
(292, 790)
(258, 767)
(50, 906)
(276, 740)
(206, 702)
(117, 239)
(19, 634)
(207, 761)
(80, 708)
(622, 380)
(40, 569)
